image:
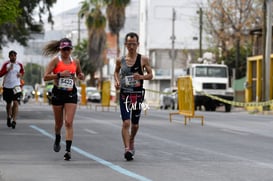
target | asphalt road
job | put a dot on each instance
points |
(236, 146)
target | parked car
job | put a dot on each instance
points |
(168, 99)
(93, 94)
(49, 87)
(40, 92)
(79, 93)
(28, 90)
(27, 93)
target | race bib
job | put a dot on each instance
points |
(17, 89)
(66, 83)
(131, 82)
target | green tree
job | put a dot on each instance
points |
(87, 66)
(245, 51)
(116, 17)
(96, 44)
(19, 28)
(9, 11)
(33, 74)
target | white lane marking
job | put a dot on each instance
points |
(95, 158)
(236, 132)
(90, 131)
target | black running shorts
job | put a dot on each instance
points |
(9, 96)
(60, 97)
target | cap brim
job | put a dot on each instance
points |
(66, 47)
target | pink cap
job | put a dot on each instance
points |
(65, 44)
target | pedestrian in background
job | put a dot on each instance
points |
(129, 76)
(13, 71)
(63, 70)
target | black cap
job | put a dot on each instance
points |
(12, 52)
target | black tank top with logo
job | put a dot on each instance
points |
(126, 75)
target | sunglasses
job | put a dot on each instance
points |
(66, 49)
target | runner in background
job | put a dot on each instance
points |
(13, 71)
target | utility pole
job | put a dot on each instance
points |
(200, 31)
(267, 50)
(79, 29)
(173, 51)
(237, 59)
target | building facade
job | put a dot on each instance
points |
(169, 35)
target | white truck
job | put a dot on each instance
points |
(211, 79)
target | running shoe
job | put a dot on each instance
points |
(128, 155)
(9, 122)
(56, 147)
(67, 156)
(13, 124)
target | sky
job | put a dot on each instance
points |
(64, 5)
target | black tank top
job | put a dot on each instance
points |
(126, 72)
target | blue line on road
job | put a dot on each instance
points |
(95, 158)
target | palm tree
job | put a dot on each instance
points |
(116, 17)
(96, 23)
(80, 51)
